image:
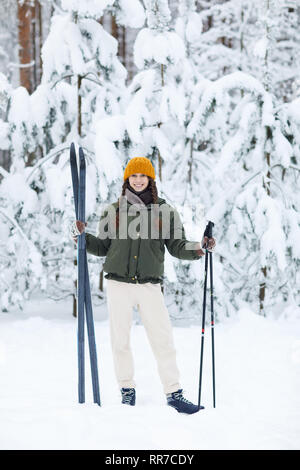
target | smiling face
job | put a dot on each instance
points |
(138, 181)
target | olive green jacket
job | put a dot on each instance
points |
(135, 249)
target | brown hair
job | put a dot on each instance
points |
(154, 193)
(152, 186)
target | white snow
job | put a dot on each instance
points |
(257, 379)
(88, 7)
(190, 27)
(204, 106)
(17, 198)
(130, 13)
(260, 48)
(162, 48)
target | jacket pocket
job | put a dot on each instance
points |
(117, 258)
(157, 249)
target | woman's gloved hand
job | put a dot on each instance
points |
(208, 243)
(77, 228)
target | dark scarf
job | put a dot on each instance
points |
(145, 195)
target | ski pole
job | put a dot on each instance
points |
(207, 233)
(212, 322)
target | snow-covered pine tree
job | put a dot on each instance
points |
(184, 280)
(110, 139)
(227, 28)
(230, 40)
(218, 127)
(254, 210)
(21, 267)
(85, 81)
(82, 81)
(9, 41)
(155, 99)
(188, 26)
(277, 52)
(122, 20)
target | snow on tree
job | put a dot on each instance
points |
(82, 81)
(185, 189)
(9, 40)
(227, 28)
(147, 105)
(231, 135)
(276, 47)
(129, 13)
(253, 210)
(234, 38)
(186, 168)
(21, 268)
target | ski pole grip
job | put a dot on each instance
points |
(208, 229)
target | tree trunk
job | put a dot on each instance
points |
(266, 185)
(79, 100)
(119, 33)
(25, 44)
(159, 159)
(190, 163)
(114, 28)
(160, 123)
(267, 156)
(39, 40)
(5, 160)
(33, 44)
(262, 291)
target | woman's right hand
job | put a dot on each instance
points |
(77, 228)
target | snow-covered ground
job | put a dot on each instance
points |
(257, 376)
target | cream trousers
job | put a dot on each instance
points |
(121, 298)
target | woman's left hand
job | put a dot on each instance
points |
(208, 243)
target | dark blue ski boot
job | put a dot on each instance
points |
(128, 396)
(181, 404)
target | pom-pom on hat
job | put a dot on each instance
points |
(139, 165)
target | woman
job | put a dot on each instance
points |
(132, 234)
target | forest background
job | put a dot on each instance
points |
(208, 90)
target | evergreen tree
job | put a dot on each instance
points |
(233, 38)
(253, 211)
(21, 266)
(82, 81)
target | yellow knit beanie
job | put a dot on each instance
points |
(139, 165)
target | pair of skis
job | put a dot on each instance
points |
(84, 300)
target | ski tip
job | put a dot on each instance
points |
(81, 156)
(72, 152)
